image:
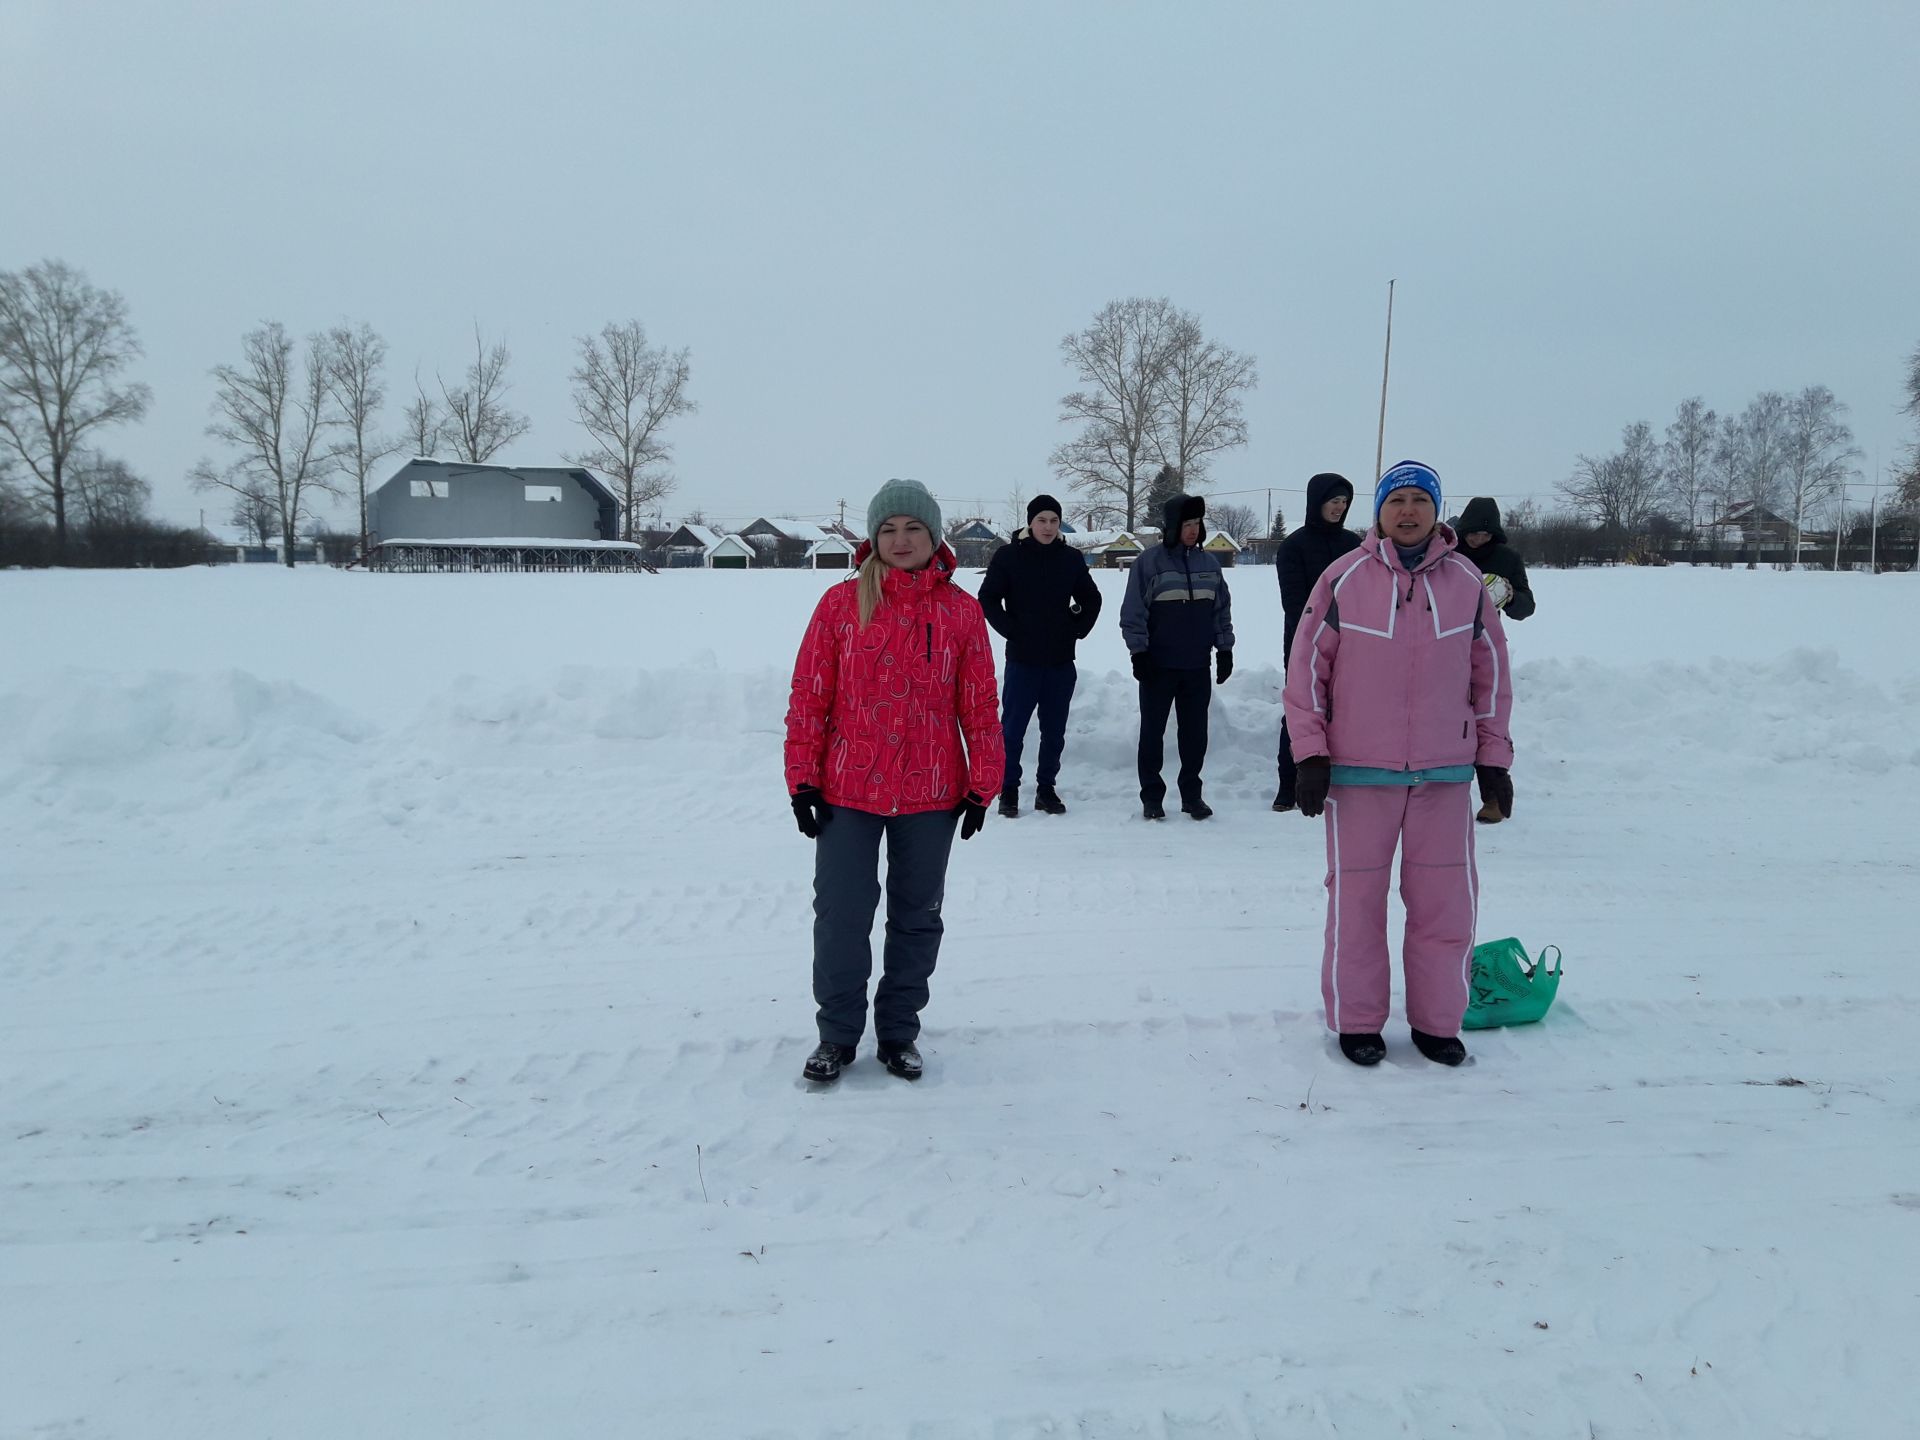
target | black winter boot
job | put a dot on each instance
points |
(1364, 1049)
(901, 1059)
(826, 1062)
(1010, 804)
(1047, 800)
(1283, 802)
(1153, 810)
(1441, 1049)
(1198, 809)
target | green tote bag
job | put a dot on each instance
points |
(1507, 987)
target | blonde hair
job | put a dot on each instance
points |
(873, 574)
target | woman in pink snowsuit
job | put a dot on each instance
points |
(1397, 693)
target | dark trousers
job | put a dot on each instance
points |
(1024, 688)
(1186, 693)
(1287, 768)
(846, 891)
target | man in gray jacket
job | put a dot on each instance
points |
(1177, 613)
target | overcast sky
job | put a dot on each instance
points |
(873, 223)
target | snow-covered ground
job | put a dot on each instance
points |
(404, 984)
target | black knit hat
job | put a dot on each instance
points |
(1040, 503)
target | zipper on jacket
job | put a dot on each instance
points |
(929, 642)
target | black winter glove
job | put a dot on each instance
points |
(810, 811)
(1496, 788)
(973, 814)
(1222, 665)
(1142, 665)
(1313, 776)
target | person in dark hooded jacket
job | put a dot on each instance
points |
(1484, 543)
(1176, 615)
(1321, 539)
(1040, 596)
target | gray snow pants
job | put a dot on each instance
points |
(846, 891)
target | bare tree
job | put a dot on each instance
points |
(1752, 454)
(1518, 519)
(1618, 491)
(106, 493)
(1818, 454)
(275, 413)
(62, 344)
(354, 361)
(1200, 412)
(1907, 496)
(1017, 511)
(478, 422)
(625, 393)
(253, 513)
(1687, 460)
(17, 507)
(1242, 522)
(1122, 359)
(425, 423)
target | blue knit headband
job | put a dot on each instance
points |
(1408, 474)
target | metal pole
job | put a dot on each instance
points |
(1839, 522)
(1380, 436)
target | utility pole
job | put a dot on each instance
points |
(1380, 437)
(1839, 524)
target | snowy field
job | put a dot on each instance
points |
(404, 986)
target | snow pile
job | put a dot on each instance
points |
(406, 985)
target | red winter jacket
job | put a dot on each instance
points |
(876, 716)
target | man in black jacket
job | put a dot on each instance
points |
(1040, 597)
(1484, 543)
(1320, 541)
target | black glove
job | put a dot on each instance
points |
(1311, 779)
(1142, 665)
(1496, 788)
(1222, 665)
(810, 811)
(973, 814)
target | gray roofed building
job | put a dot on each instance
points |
(450, 500)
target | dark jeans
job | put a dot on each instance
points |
(846, 891)
(1287, 768)
(1186, 693)
(1023, 689)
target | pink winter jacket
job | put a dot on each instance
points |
(1400, 671)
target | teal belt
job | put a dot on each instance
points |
(1374, 775)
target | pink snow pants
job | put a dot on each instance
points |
(1432, 823)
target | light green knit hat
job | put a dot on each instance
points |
(905, 497)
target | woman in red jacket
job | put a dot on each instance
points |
(894, 670)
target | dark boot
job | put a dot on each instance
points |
(1010, 804)
(901, 1059)
(1153, 810)
(826, 1062)
(1364, 1049)
(1198, 809)
(1283, 802)
(1047, 800)
(1441, 1049)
